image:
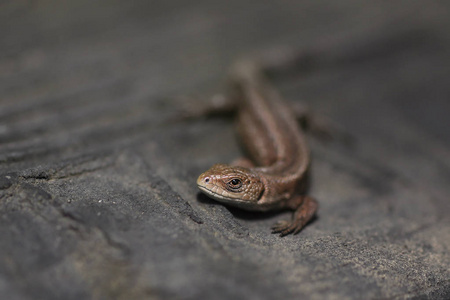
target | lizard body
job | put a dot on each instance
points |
(275, 179)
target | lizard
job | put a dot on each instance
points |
(275, 177)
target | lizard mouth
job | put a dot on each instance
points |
(219, 197)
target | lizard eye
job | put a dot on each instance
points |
(234, 183)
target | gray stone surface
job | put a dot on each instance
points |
(97, 193)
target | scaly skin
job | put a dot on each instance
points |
(277, 147)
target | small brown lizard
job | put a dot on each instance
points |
(275, 177)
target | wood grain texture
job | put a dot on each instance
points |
(97, 182)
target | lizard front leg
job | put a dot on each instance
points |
(305, 208)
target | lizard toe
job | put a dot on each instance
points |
(284, 228)
(291, 227)
(299, 226)
(280, 226)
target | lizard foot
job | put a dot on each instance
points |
(283, 227)
(301, 217)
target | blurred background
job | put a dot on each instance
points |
(97, 193)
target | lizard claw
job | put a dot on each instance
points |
(280, 226)
(303, 214)
(285, 227)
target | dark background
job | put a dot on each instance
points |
(97, 186)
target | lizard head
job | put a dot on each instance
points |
(231, 184)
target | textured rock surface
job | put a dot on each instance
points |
(97, 194)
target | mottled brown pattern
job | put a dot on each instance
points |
(270, 133)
